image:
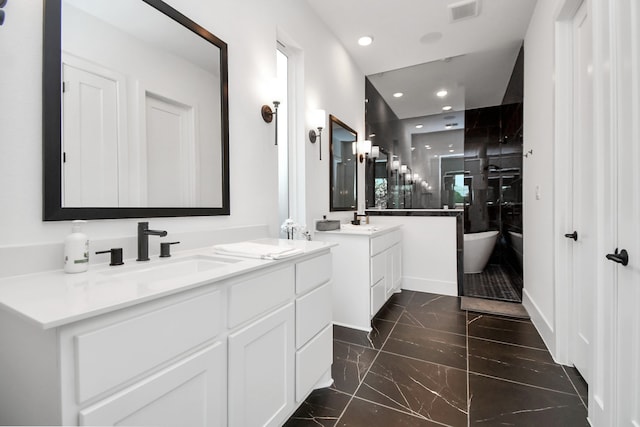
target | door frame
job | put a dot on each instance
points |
(563, 152)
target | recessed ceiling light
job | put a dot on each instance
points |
(451, 151)
(365, 40)
(398, 94)
(371, 135)
(428, 147)
(442, 93)
(450, 145)
(448, 127)
(413, 148)
(419, 126)
(447, 108)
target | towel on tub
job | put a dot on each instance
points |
(257, 250)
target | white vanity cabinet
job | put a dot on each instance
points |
(261, 354)
(243, 351)
(162, 363)
(367, 270)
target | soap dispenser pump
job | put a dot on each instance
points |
(76, 249)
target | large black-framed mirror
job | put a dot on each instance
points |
(135, 112)
(343, 174)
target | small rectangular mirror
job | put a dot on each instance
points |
(343, 174)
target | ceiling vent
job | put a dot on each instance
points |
(464, 10)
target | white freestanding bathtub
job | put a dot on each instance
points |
(477, 250)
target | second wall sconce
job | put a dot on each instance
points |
(267, 115)
(364, 150)
(2, 4)
(317, 122)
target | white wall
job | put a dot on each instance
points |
(331, 81)
(539, 286)
(429, 252)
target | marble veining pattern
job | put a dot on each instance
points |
(427, 363)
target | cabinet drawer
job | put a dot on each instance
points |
(312, 272)
(313, 312)
(252, 297)
(378, 268)
(116, 353)
(377, 297)
(313, 360)
(191, 392)
(380, 243)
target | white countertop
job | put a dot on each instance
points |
(371, 230)
(55, 298)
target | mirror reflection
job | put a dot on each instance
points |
(143, 121)
(343, 161)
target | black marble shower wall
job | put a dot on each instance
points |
(493, 178)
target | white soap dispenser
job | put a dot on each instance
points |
(76, 250)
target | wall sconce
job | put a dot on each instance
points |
(364, 150)
(317, 121)
(403, 169)
(395, 165)
(2, 4)
(267, 115)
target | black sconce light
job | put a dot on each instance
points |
(2, 4)
(317, 121)
(267, 115)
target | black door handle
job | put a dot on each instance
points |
(621, 257)
(573, 235)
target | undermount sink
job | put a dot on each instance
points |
(171, 269)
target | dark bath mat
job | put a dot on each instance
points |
(500, 308)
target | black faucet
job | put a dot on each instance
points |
(143, 240)
(356, 221)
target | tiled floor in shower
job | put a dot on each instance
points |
(427, 363)
(497, 282)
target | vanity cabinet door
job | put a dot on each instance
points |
(191, 392)
(262, 370)
(396, 266)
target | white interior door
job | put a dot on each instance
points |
(90, 142)
(583, 249)
(170, 153)
(627, 54)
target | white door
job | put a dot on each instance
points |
(262, 371)
(90, 139)
(627, 125)
(583, 249)
(614, 396)
(170, 153)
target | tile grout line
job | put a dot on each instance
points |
(575, 388)
(468, 379)
(372, 363)
(480, 374)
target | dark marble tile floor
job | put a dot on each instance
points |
(428, 363)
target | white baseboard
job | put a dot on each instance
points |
(428, 285)
(540, 321)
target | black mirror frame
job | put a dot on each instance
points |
(333, 119)
(52, 126)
